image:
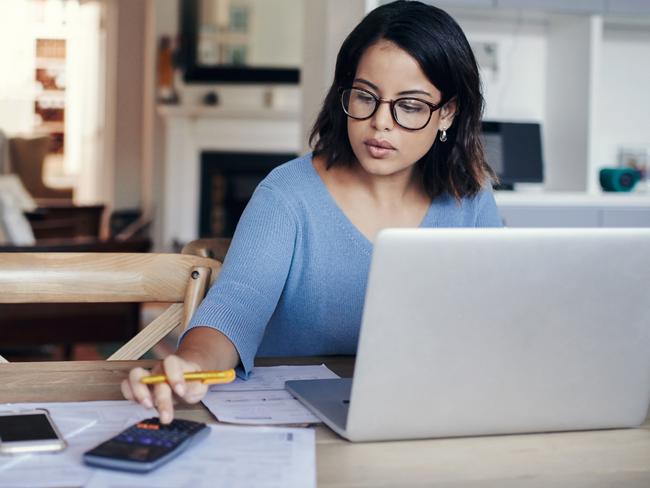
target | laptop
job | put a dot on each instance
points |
(470, 332)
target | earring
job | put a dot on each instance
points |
(443, 135)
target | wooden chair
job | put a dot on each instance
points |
(27, 157)
(210, 247)
(33, 325)
(181, 280)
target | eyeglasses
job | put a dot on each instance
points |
(409, 113)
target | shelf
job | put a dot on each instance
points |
(50, 63)
(50, 127)
(217, 112)
(51, 94)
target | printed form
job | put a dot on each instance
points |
(231, 456)
(83, 425)
(262, 399)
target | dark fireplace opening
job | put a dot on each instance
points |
(228, 180)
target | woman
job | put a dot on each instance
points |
(396, 144)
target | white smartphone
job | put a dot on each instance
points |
(29, 431)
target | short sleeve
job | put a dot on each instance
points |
(244, 297)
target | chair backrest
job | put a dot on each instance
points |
(181, 280)
(209, 247)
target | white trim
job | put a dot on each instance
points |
(188, 132)
(106, 172)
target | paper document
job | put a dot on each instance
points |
(83, 425)
(231, 457)
(262, 399)
(274, 377)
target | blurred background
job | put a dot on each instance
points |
(141, 125)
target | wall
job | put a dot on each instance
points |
(127, 155)
(573, 60)
(516, 90)
(277, 22)
(623, 112)
(17, 55)
(326, 26)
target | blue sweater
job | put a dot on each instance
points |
(294, 279)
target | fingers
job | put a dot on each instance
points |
(133, 389)
(189, 391)
(174, 368)
(126, 390)
(195, 391)
(164, 403)
(162, 394)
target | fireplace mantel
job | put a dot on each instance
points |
(229, 113)
(191, 130)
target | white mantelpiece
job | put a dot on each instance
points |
(191, 130)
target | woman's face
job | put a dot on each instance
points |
(381, 146)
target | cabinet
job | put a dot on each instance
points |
(573, 6)
(464, 3)
(602, 7)
(628, 7)
(574, 210)
(633, 216)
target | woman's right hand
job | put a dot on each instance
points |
(161, 396)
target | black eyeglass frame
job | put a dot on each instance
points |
(378, 101)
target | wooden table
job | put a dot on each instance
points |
(604, 458)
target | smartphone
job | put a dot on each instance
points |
(29, 431)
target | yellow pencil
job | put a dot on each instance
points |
(207, 377)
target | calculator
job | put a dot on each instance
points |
(146, 445)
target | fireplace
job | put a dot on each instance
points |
(228, 180)
(235, 149)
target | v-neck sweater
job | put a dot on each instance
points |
(294, 279)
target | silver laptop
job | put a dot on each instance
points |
(496, 331)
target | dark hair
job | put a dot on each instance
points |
(437, 43)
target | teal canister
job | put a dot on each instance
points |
(619, 179)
